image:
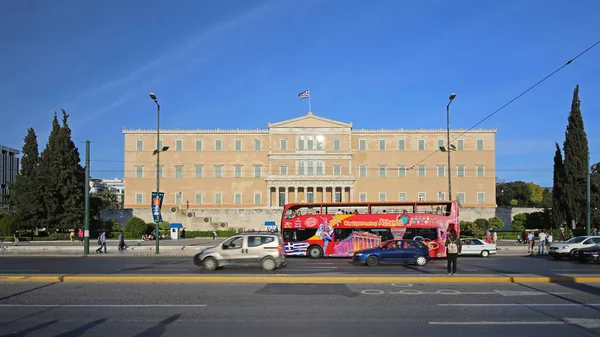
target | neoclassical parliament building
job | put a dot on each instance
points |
(308, 159)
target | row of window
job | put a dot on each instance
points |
(178, 199)
(422, 196)
(362, 197)
(316, 167)
(315, 143)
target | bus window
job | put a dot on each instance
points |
(428, 233)
(384, 233)
(294, 235)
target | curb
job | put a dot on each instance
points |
(293, 279)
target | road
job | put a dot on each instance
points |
(165, 265)
(164, 309)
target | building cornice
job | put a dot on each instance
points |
(394, 132)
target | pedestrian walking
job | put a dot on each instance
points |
(214, 235)
(453, 248)
(72, 237)
(121, 242)
(518, 239)
(495, 237)
(549, 240)
(101, 243)
(80, 235)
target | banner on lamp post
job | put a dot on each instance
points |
(157, 201)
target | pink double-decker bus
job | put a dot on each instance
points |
(339, 229)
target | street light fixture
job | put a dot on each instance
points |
(450, 147)
(158, 171)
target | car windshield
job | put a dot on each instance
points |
(576, 239)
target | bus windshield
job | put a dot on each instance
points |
(339, 229)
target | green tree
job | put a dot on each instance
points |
(110, 199)
(536, 193)
(576, 155)
(547, 198)
(496, 222)
(515, 190)
(73, 179)
(26, 191)
(519, 221)
(50, 178)
(8, 224)
(558, 196)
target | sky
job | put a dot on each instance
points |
(241, 64)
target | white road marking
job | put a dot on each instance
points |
(102, 305)
(498, 323)
(372, 292)
(316, 267)
(518, 305)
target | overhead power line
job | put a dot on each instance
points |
(512, 100)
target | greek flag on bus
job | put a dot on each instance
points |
(304, 94)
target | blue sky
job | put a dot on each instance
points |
(240, 64)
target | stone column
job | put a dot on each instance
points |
(342, 191)
(296, 194)
(324, 193)
(351, 194)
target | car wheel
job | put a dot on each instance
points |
(210, 264)
(268, 264)
(315, 252)
(372, 261)
(485, 253)
(421, 260)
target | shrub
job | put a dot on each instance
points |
(208, 234)
(135, 228)
(496, 222)
(59, 236)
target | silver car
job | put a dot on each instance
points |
(264, 249)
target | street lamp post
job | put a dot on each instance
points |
(157, 152)
(448, 148)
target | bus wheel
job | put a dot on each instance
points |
(315, 252)
(372, 261)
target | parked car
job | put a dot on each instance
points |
(559, 250)
(394, 251)
(589, 254)
(471, 246)
(260, 249)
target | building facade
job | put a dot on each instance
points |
(115, 185)
(9, 168)
(307, 159)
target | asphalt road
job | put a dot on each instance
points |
(264, 310)
(164, 265)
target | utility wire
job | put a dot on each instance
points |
(511, 101)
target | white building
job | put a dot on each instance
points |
(9, 168)
(115, 185)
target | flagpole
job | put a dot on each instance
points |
(309, 108)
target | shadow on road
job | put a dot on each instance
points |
(28, 331)
(27, 291)
(158, 329)
(82, 329)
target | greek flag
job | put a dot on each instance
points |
(304, 94)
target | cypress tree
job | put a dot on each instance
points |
(50, 178)
(72, 176)
(26, 191)
(576, 152)
(558, 203)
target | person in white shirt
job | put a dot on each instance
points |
(542, 244)
(549, 240)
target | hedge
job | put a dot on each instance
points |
(209, 234)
